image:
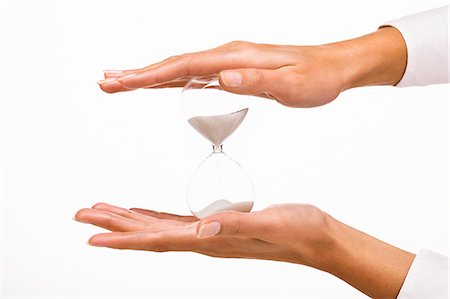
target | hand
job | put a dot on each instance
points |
(295, 76)
(291, 233)
(295, 233)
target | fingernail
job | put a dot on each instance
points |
(208, 230)
(106, 81)
(231, 78)
(96, 245)
(91, 243)
(112, 71)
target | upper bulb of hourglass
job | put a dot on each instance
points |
(219, 183)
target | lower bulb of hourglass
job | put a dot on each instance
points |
(219, 184)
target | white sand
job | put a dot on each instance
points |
(216, 128)
(222, 205)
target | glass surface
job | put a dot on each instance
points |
(219, 183)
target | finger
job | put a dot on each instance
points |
(109, 220)
(162, 215)
(282, 85)
(110, 85)
(148, 219)
(182, 239)
(118, 73)
(232, 223)
(230, 56)
(168, 85)
(101, 206)
(179, 82)
(183, 83)
(250, 81)
(113, 73)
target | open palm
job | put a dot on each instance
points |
(279, 232)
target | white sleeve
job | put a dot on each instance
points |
(426, 37)
(427, 277)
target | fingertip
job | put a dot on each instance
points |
(106, 81)
(108, 88)
(96, 241)
(112, 87)
(99, 205)
(81, 215)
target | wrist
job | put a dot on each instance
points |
(374, 267)
(318, 253)
(378, 58)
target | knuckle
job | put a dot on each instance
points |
(185, 56)
(172, 58)
(186, 63)
(236, 228)
(255, 77)
(108, 219)
(234, 220)
(239, 44)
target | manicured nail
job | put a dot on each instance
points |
(231, 78)
(208, 230)
(106, 81)
(91, 243)
(112, 72)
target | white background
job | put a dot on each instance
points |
(376, 158)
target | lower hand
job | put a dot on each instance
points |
(295, 233)
(290, 232)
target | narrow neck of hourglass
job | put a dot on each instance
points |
(217, 149)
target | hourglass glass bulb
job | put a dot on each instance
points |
(219, 183)
(216, 128)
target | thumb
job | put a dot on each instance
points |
(249, 81)
(232, 223)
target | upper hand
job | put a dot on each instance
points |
(295, 76)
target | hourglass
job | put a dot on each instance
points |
(219, 183)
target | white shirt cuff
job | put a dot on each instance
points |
(427, 277)
(426, 38)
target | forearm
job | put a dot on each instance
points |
(368, 264)
(378, 58)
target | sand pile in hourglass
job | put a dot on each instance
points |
(216, 128)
